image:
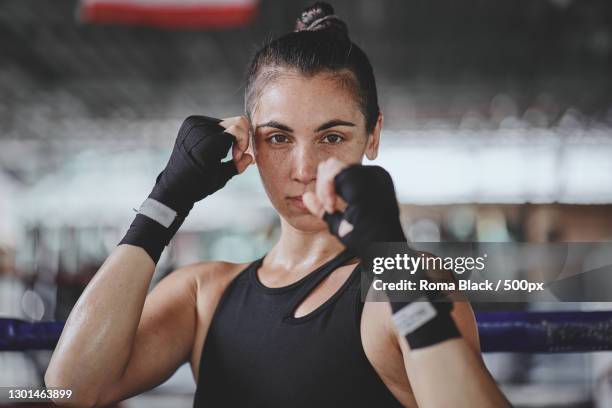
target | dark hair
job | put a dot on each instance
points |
(319, 44)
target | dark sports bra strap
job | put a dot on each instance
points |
(317, 277)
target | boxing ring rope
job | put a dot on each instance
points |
(526, 332)
(545, 332)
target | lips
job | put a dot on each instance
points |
(296, 201)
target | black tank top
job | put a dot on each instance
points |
(257, 354)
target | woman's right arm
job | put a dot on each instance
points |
(115, 342)
(118, 341)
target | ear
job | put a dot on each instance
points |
(373, 142)
(251, 148)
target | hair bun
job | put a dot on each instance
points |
(320, 16)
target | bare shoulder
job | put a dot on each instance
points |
(192, 278)
(207, 281)
(210, 273)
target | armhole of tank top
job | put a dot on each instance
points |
(358, 316)
(219, 303)
(358, 310)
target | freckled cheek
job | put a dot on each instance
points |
(274, 170)
(272, 160)
(274, 185)
(348, 153)
(342, 154)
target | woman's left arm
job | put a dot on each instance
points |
(439, 344)
(451, 373)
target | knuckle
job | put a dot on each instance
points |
(229, 122)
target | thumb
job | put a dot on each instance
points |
(312, 203)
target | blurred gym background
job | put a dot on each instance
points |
(498, 127)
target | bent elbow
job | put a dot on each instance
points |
(77, 397)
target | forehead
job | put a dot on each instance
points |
(308, 100)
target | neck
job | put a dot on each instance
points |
(298, 249)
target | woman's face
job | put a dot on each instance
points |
(297, 123)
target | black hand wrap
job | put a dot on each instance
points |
(373, 212)
(372, 208)
(426, 320)
(194, 171)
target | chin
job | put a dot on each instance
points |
(305, 221)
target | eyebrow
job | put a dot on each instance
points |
(327, 125)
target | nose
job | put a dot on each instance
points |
(305, 162)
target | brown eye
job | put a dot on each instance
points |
(278, 139)
(333, 138)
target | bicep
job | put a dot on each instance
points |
(463, 315)
(466, 324)
(163, 339)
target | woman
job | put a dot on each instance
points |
(288, 329)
